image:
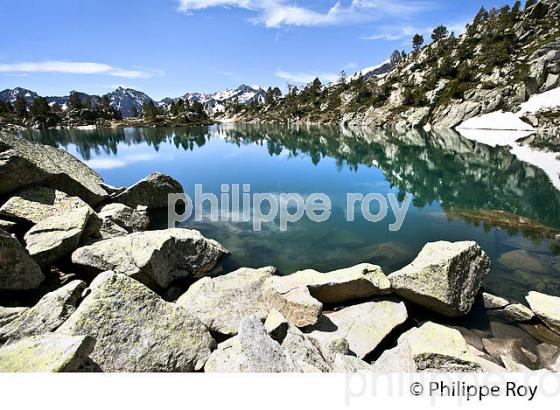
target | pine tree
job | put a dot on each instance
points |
(417, 42)
(21, 107)
(439, 33)
(481, 16)
(40, 107)
(342, 78)
(74, 101)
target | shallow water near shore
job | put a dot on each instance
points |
(463, 190)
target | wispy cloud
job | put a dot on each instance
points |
(306, 77)
(281, 13)
(392, 33)
(69, 67)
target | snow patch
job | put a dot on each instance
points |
(545, 101)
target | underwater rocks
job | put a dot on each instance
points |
(445, 277)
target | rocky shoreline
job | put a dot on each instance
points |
(86, 285)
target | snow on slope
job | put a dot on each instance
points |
(545, 101)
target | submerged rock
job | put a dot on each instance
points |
(18, 271)
(431, 347)
(46, 316)
(155, 258)
(36, 204)
(222, 302)
(524, 261)
(46, 353)
(251, 351)
(547, 308)
(60, 235)
(136, 330)
(445, 277)
(364, 326)
(23, 163)
(152, 192)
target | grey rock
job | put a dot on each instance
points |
(511, 348)
(18, 271)
(46, 316)
(486, 362)
(547, 308)
(59, 235)
(548, 356)
(222, 302)
(128, 219)
(295, 303)
(494, 302)
(136, 330)
(364, 326)
(542, 333)
(9, 314)
(152, 192)
(23, 163)
(155, 258)
(512, 366)
(445, 277)
(46, 353)
(251, 351)
(304, 352)
(431, 347)
(519, 313)
(349, 364)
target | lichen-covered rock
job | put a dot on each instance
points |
(46, 353)
(493, 301)
(304, 352)
(445, 277)
(126, 219)
(137, 331)
(9, 314)
(18, 271)
(222, 302)
(152, 191)
(547, 308)
(364, 326)
(23, 163)
(46, 316)
(251, 351)
(431, 347)
(59, 235)
(358, 282)
(39, 203)
(295, 303)
(155, 258)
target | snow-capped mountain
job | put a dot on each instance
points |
(380, 69)
(217, 102)
(124, 99)
(10, 95)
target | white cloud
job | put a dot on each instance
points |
(68, 67)
(391, 33)
(280, 13)
(306, 77)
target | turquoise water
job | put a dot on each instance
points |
(462, 191)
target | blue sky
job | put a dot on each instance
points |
(168, 47)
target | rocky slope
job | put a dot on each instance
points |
(86, 288)
(504, 58)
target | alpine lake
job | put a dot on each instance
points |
(462, 190)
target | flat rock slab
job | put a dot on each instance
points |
(295, 303)
(547, 308)
(18, 270)
(152, 191)
(60, 235)
(364, 326)
(431, 347)
(36, 204)
(155, 258)
(493, 301)
(46, 316)
(222, 302)
(445, 277)
(23, 163)
(46, 353)
(137, 331)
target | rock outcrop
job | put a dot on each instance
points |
(152, 192)
(136, 331)
(222, 302)
(445, 277)
(23, 163)
(18, 271)
(155, 258)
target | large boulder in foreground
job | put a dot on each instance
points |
(251, 351)
(547, 308)
(445, 277)
(46, 316)
(155, 258)
(137, 331)
(23, 163)
(46, 353)
(152, 191)
(18, 271)
(431, 347)
(36, 204)
(364, 326)
(59, 235)
(222, 302)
